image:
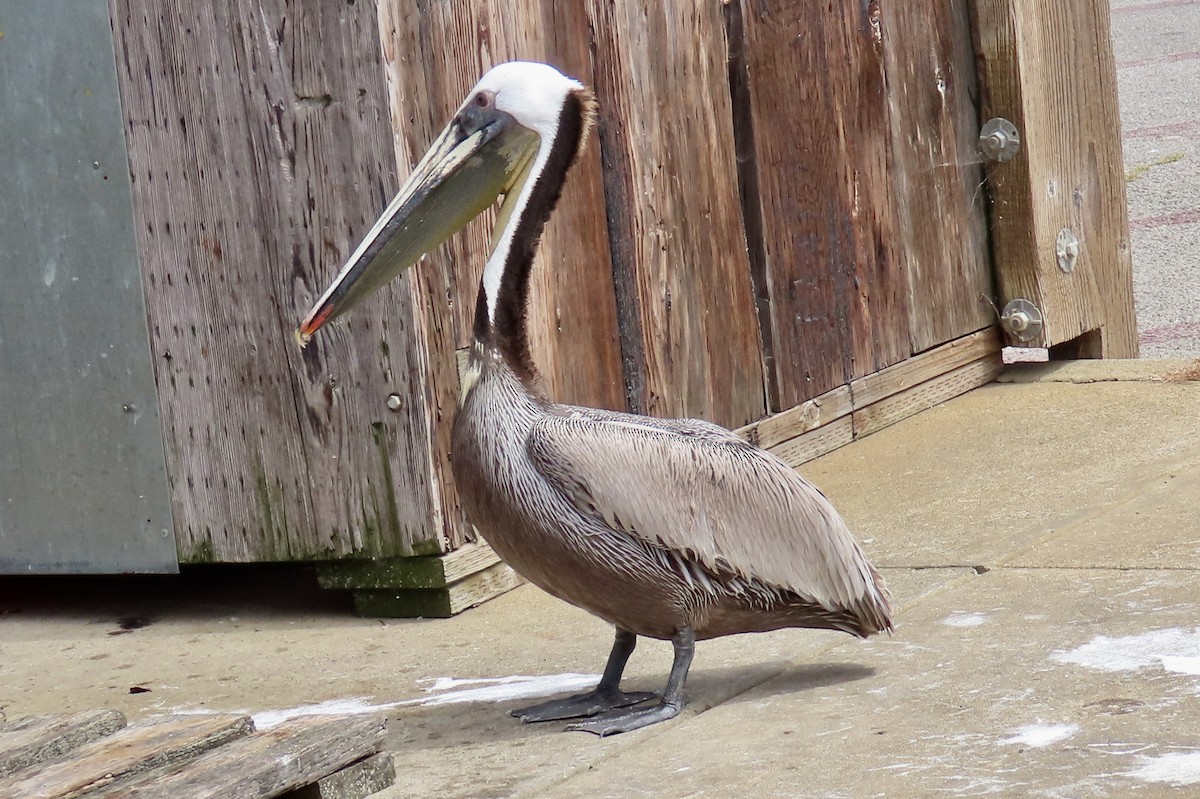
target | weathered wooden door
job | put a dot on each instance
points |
(1060, 228)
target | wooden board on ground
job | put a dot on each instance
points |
(932, 392)
(198, 756)
(435, 571)
(271, 762)
(438, 602)
(927, 365)
(36, 739)
(806, 416)
(125, 755)
(875, 401)
(353, 782)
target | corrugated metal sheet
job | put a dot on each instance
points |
(83, 486)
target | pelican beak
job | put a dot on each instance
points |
(482, 154)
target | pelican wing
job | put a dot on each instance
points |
(698, 490)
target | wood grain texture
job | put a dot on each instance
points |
(874, 401)
(806, 416)
(436, 571)
(1048, 67)
(32, 740)
(919, 368)
(123, 757)
(271, 762)
(686, 304)
(468, 592)
(434, 55)
(815, 443)
(356, 781)
(260, 153)
(834, 256)
(937, 177)
(926, 395)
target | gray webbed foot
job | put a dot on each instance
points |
(618, 721)
(580, 705)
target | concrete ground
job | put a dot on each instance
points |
(1157, 47)
(1042, 541)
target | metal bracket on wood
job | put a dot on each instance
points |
(1022, 319)
(999, 140)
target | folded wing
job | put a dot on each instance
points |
(697, 489)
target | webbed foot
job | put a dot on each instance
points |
(619, 721)
(580, 705)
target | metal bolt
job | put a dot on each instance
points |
(1018, 321)
(394, 402)
(1022, 319)
(999, 140)
(128, 407)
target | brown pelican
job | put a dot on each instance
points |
(669, 528)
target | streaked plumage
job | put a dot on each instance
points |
(672, 529)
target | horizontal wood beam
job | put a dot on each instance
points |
(875, 401)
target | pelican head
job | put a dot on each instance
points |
(501, 134)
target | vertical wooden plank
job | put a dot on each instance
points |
(259, 151)
(937, 175)
(433, 57)
(834, 257)
(1048, 68)
(679, 254)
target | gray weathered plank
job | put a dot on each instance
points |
(936, 173)
(686, 303)
(32, 740)
(126, 755)
(270, 762)
(355, 781)
(260, 152)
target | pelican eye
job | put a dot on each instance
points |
(483, 99)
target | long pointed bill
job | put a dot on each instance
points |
(462, 174)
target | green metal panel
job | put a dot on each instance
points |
(83, 486)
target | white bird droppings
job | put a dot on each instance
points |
(441, 691)
(356, 706)
(1039, 734)
(964, 620)
(502, 689)
(1177, 768)
(1173, 649)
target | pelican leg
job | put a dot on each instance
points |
(672, 701)
(606, 696)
